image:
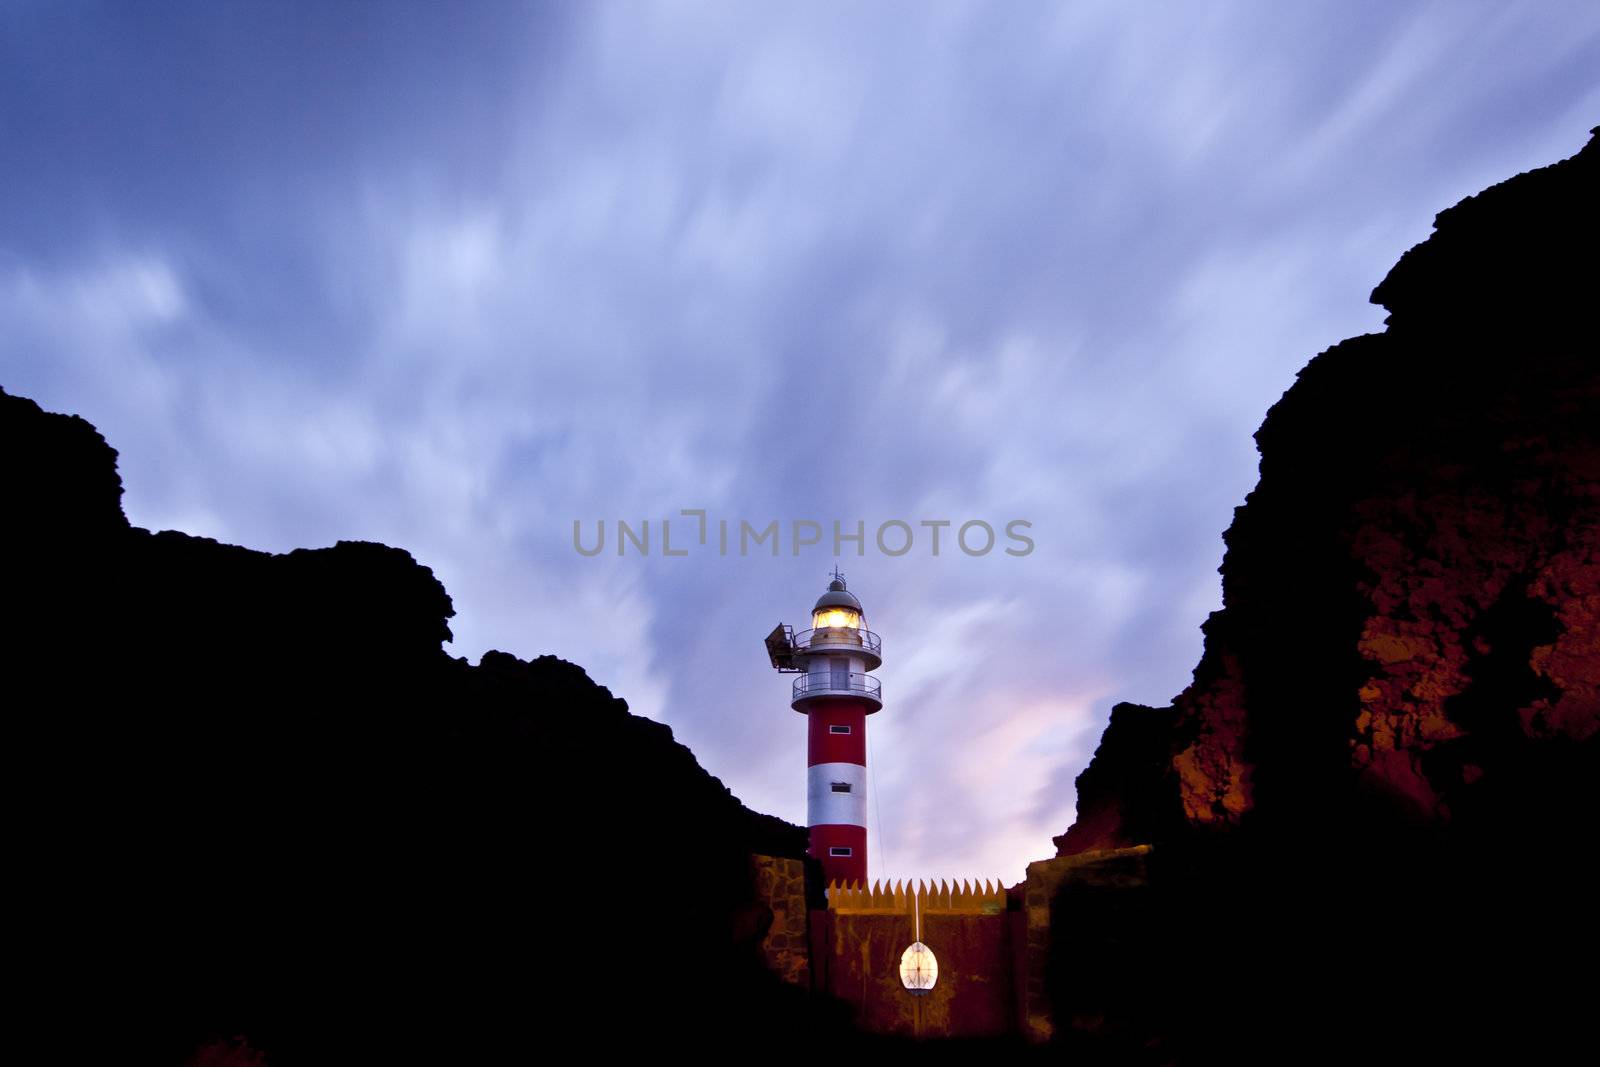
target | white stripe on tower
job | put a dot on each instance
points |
(827, 804)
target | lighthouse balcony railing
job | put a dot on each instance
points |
(838, 683)
(841, 637)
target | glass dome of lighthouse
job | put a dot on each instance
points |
(837, 607)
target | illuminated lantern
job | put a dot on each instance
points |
(836, 693)
(918, 969)
(837, 607)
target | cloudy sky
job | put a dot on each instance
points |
(455, 276)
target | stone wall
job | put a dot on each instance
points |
(858, 940)
(781, 886)
(1074, 885)
(1002, 953)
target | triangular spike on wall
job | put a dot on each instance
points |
(903, 896)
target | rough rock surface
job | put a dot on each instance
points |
(1396, 719)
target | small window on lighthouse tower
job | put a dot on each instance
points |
(838, 850)
(841, 787)
(838, 729)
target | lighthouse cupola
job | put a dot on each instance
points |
(837, 607)
(836, 692)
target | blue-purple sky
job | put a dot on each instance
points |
(452, 276)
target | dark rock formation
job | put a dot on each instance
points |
(260, 809)
(1374, 810)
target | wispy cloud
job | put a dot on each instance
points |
(454, 282)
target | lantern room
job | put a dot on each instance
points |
(837, 607)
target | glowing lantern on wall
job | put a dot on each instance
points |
(918, 969)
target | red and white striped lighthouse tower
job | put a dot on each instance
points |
(836, 694)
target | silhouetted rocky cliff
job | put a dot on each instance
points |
(255, 797)
(1374, 810)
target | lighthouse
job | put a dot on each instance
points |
(835, 692)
